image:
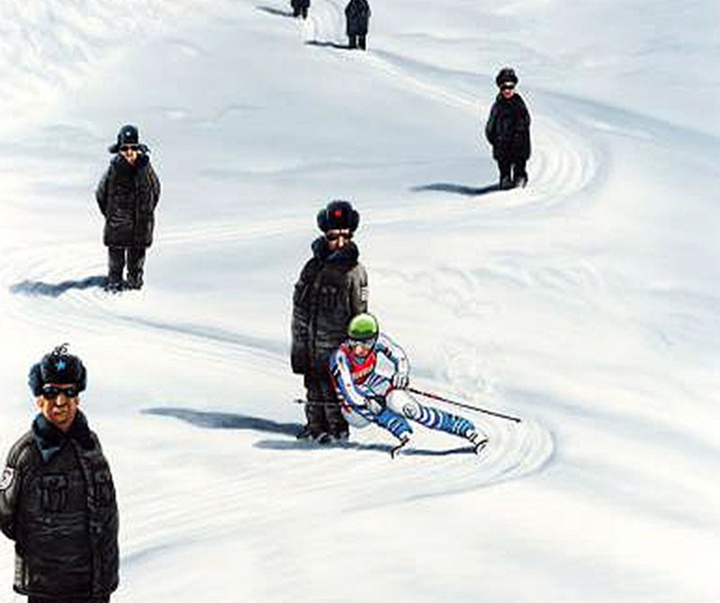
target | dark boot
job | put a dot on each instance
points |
(352, 42)
(136, 264)
(520, 176)
(304, 12)
(362, 42)
(116, 266)
(505, 175)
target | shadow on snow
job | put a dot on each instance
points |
(328, 45)
(57, 289)
(223, 420)
(460, 189)
(275, 11)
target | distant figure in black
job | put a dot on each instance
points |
(300, 8)
(357, 13)
(127, 196)
(508, 131)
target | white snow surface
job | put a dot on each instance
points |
(588, 303)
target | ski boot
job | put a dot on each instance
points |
(478, 440)
(404, 439)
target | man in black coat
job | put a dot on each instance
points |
(508, 131)
(300, 8)
(127, 196)
(332, 288)
(357, 14)
(57, 499)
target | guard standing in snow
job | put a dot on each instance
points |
(371, 396)
(332, 288)
(357, 14)
(300, 8)
(127, 196)
(508, 131)
(57, 499)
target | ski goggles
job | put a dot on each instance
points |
(368, 344)
(51, 392)
(129, 147)
(507, 87)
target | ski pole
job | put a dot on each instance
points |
(460, 404)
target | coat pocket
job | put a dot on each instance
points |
(103, 488)
(54, 492)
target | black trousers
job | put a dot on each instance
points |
(118, 257)
(322, 408)
(357, 41)
(512, 170)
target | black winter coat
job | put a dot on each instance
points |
(508, 129)
(57, 502)
(127, 196)
(332, 288)
(357, 13)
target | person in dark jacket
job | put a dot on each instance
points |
(357, 14)
(127, 196)
(57, 499)
(332, 288)
(300, 8)
(508, 131)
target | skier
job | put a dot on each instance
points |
(300, 8)
(508, 131)
(332, 288)
(369, 395)
(127, 196)
(57, 499)
(357, 15)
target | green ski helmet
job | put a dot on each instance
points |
(363, 327)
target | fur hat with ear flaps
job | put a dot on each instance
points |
(57, 366)
(338, 215)
(506, 75)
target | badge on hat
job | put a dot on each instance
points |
(7, 478)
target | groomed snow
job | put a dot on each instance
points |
(587, 303)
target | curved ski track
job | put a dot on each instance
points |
(564, 166)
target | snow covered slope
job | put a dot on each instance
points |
(586, 303)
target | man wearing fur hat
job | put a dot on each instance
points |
(332, 288)
(508, 131)
(127, 196)
(57, 499)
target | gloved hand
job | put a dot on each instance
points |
(400, 380)
(375, 404)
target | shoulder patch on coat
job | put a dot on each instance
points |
(364, 294)
(7, 478)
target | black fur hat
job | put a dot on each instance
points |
(128, 134)
(57, 367)
(338, 215)
(506, 74)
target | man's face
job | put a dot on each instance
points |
(507, 90)
(58, 403)
(130, 152)
(338, 238)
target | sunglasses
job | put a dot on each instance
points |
(129, 147)
(50, 392)
(507, 87)
(334, 236)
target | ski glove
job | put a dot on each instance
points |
(400, 380)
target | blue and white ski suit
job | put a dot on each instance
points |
(367, 394)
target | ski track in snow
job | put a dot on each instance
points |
(564, 164)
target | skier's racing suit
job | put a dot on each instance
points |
(371, 390)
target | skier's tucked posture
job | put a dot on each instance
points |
(370, 393)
